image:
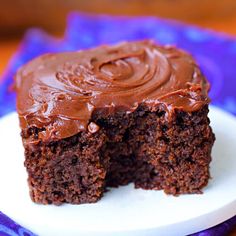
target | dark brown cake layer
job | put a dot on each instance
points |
(60, 92)
(140, 147)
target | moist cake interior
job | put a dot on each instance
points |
(142, 147)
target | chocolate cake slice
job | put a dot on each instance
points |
(105, 117)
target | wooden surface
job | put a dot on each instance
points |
(226, 25)
(26, 13)
(7, 49)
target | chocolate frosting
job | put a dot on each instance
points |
(59, 92)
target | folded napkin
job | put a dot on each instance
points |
(215, 53)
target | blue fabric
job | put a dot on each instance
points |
(215, 53)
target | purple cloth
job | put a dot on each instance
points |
(10, 228)
(215, 53)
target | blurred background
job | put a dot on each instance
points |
(18, 15)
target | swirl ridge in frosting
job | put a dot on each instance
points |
(61, 91)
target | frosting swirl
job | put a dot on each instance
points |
(60, 92)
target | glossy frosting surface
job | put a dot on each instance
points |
(60, 92)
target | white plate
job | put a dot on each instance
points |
(125, 210)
